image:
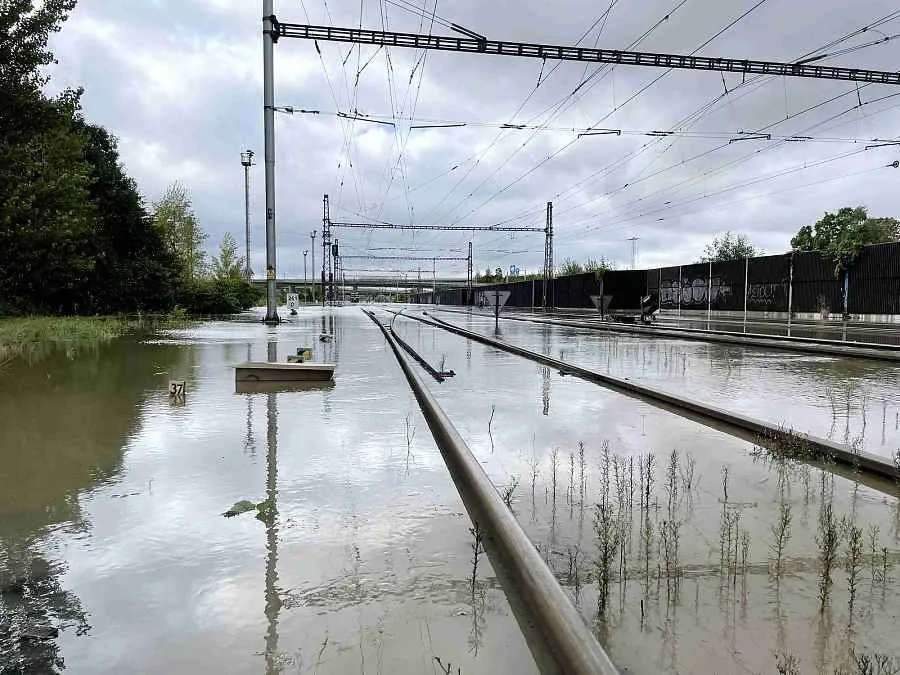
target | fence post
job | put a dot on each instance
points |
(846, 293)
(746, 288)
(679, 290)
(791, 289)
(709, 294)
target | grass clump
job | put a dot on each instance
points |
(30, 336)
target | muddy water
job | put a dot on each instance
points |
(692, 576)
(853, 401)
(111, 526)
(111, 498)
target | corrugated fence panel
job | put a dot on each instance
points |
(727, 287)
(875, 281)
(815, 286)
(767, 283)
(669, 288)
(694, 286)
(626, 287)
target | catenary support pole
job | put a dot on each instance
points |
(709, 294)
(270, 34)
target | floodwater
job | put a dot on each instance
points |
(111, 503)
(112, 494)
(852, 401)
(704, 596)
(819, 330)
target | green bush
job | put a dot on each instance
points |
(218, 296)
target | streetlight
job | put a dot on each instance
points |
(304, 268)
(247, 162)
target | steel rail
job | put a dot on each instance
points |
(568, 638)
(761, 430)
(872, 351)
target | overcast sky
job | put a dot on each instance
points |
(180, 83)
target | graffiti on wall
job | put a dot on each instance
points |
(763, 295)
(694, 292)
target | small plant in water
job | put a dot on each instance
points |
(854, 562)
(787, 664)
(781, 533)
(554, 467)
(508, 491)
(827, 541)
(687, 472)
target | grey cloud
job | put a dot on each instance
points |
(180, 83)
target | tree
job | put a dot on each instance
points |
(570, 266)
(729, 247)
(228, 264)
(842, 235)
(134, 270)
(602, 265)
(174, 216)
(46, 218)
(25, 34)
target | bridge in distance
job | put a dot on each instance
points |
(363, 283)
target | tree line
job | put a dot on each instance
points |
(76, 236)
(569, 266)
(840, 236)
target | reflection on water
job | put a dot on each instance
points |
(853, 401)
(65, 420)
(362, 561)
(665, 532)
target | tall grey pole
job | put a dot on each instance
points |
(304, 269)
(247, 162)
(269, 130)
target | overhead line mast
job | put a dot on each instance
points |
(475, 43)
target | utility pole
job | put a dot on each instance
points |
(312, 237)
(326, 246)
(548, 258)
(247, 162)
(634, 241)
(270, 34)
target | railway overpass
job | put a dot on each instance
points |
(392, 283)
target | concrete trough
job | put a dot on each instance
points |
(252, 371)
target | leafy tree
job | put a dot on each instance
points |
(174, 216)
(602, 265)
(25, 32)
(843, 234)
(228, 264)
(729, 247)
(134, 269)
(570, 266)
(46, 219)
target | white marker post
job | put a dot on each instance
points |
(496, 299)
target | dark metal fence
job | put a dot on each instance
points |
(798, 282)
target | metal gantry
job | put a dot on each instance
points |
(473, 43)
(547, 230)
(481, 45)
